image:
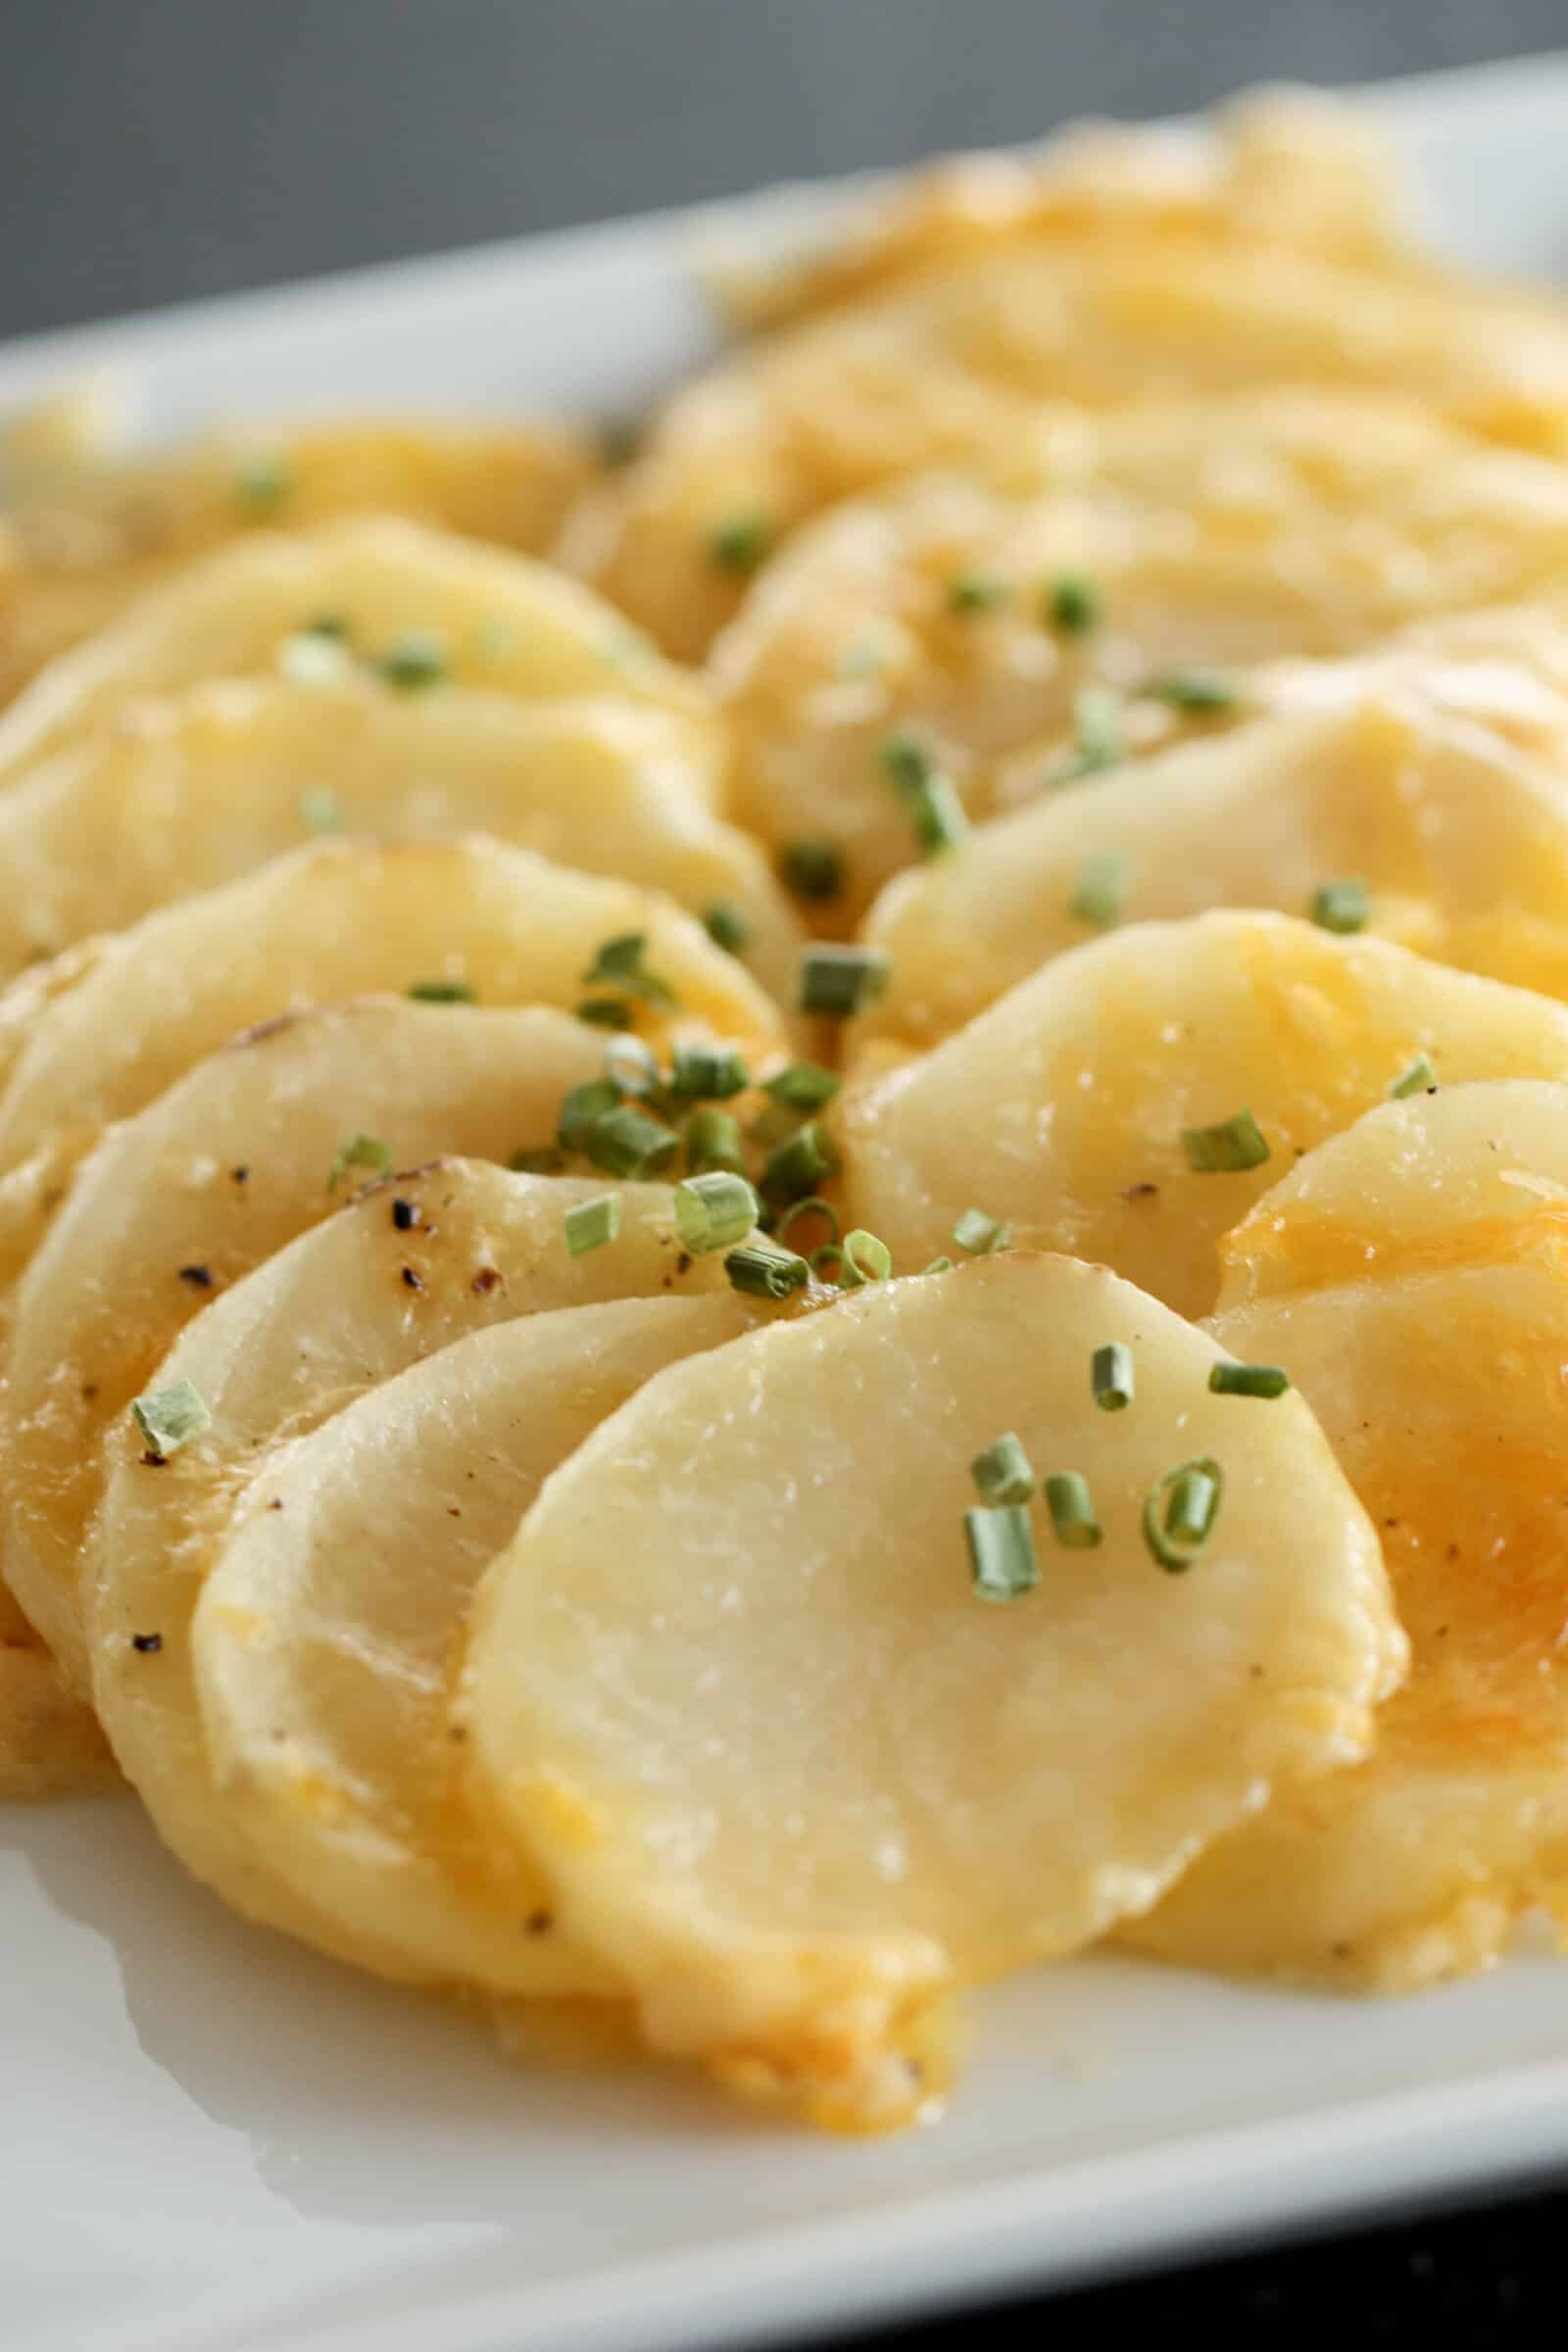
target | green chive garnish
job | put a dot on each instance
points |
(1003, 1562)
(714, 1211)
(327, 624)
(976, 592)
(866, 1259)
(798, 1166)
(592, 1223)
(618, 964)
(1247, 1380)
(802, 1086)
(307, 659)
(359, 1151)
(626, 1142)
(1097, 728)
(905, 762)
(766, 1271)
(980, 1235)
(1419, 1079)
(541, 1160)
(631, 1064)
(1110, 1377)
(837, 981)
(1201, 691)
(813, 870)
(714, 1140)
(707, 1073)
(1237, 1142)
(606, 1012)
(813, 1206)
(1102, 892)
(938, 1266)
(740, 543)
(1004, 1472)
(262, 483)
(931, 798)
(726, 926)
(1073, 1510)
(443, 992)
(1072, 603)
(416, 660)
(580, 1107)
(320, 810)
(1180, 1511)
(170, 1418)
(1343, 906)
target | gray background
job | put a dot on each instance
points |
(153, 149)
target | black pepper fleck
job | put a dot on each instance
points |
(486, 1279)
(200, 1278)
(539, 1923)
(683, 1263)
(147, 1643)
(241, 1175)
(411, 1280)
(404, 1215)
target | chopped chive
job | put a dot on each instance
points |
(862, 660)
(1073, 1510)
(798, 1166)
(1205, 691)
(714, 1140)
(766, 1271)
(980, 1235)
(813, 870)
(1247, 1380)
(905, 762)
(626, 1142)
(416, 660)
(1234, 1144)
(170, 1418)
(307, 659)
(327, 624)
(1342, 906)
(262, 483)
(320, 810)
(1110, 1377)
(707, 1073)
(1097, 728)
(740, 543)
(580, 1106)
(1419, 1079)
(1003, 1562)
(606, 1012)
(1072, 604)
(359, 1151)
(726, 926)
(837, 981)
(828, 1254)
(938, 815)
(866, 1259)
(618, 964)
(802, 1086)
(714, 1211)
(541, 1160)
(1004, 1472)
(592, 1223)
(813, 1206)
(443, 992)
(631, 1065)
(1180, 1511)
(938, 1266)
(976, 592)
(1102, 892)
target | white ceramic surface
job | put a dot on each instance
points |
(211, 2142)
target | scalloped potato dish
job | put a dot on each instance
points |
(785, 1223)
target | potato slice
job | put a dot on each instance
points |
(50, 1743)
(98, 524)
(1062, 1109)
(496, 620)
(1442, 1393)
(175, 1204)
(332, 920)
(189, 792)
(711, 1759)
(1461, 841)
(1214, 535)
(320, 1324)
(955, 364)
(322, 1642)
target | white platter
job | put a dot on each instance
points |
(211, 2142)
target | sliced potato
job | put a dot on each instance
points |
(497, 621)
(50, 1743)
(1460, 839)
(333, 919)
(1214, 535)
(177, 1203)
(320, 1324)
(187, 792)
(957, 363)
(97, 525)
(323, 1640)
(1062, 1111)
(714, 1760)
